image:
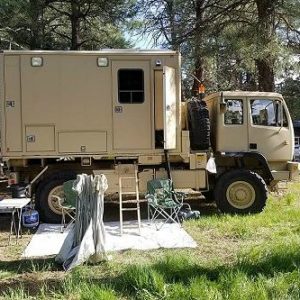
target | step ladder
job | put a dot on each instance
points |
(124, 191)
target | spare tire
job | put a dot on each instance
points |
(199, 125)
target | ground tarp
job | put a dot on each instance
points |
(48, 239)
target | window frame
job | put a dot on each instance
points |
(281, 123)
(131, 91)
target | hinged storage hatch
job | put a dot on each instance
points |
(82, 142)
(40, 138)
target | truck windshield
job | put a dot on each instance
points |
(268, 112)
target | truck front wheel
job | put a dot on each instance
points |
(241, 191)
(46, 196)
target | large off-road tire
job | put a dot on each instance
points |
(241, 191)
(199, 125)
(46, 204)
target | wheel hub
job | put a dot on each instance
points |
(240, 194)
(55, 199)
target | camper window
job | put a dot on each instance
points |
(131, 85)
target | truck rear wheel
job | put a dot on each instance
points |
(46, 196)
(241, 191)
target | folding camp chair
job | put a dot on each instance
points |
(67, 204)
(163, 201)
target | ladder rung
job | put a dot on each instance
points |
(128, 193)
(128, 201)
(128, 209)
(128, 177)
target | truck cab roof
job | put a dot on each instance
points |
(243, 94)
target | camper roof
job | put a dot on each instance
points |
(99, 52)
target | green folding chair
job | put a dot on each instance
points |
(67, 204)
(163, 201)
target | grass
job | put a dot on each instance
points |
(238, 257)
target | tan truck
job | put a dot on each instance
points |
(65, 113)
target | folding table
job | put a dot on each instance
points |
(15, 205)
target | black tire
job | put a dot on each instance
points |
(241, 192)
(209, 196)
(199, 125)
(47, 213)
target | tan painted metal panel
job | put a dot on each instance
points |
(233, 137)
(158, 99)
(132, 122)
(13, 134)
(145, 176)
(40, 138)
(170, 109)
(76, 142)
(71, 92)
(275, 143)
(183, 179)
(198, 161)
(112, 180)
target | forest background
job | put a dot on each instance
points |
(228, 44)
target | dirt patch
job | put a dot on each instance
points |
(33, 283)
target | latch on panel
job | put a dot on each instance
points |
(30, 138)
(10, 103)
(118, 109)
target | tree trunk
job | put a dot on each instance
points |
(250, 82)
(170, 12)
(198, 72)
(265, 70)
(199, 62)
(266, 31)
(35, 30)
(75, 25)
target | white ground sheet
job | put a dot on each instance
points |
(48, 239)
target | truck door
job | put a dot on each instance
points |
(232, 130)
(131, 105)
(270, 131)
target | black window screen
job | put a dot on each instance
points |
(131, 85)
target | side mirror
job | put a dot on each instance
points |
(279, 115)
(223, 106)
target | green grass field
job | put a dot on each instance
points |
(238, 257)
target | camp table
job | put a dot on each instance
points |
(15, 205)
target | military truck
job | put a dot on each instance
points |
(66, 112)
